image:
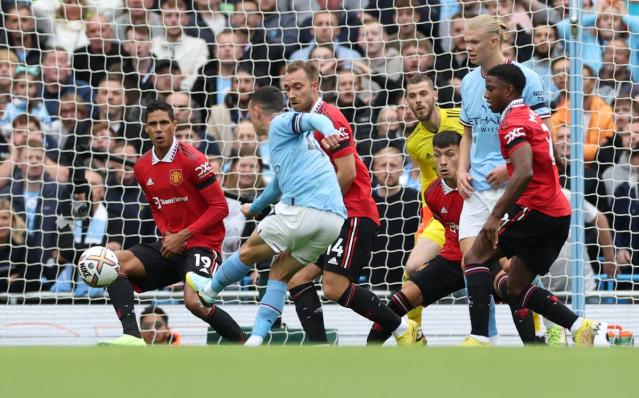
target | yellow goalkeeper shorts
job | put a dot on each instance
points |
(433, 230)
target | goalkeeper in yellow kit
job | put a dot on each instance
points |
(421, 96)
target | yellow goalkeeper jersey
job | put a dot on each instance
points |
(419, 145)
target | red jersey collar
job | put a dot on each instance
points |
(318, 105)
(514, 104)
(168, 158)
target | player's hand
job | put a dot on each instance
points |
(331, 142)
(498, 176)
(246, 210)
(490, 231)
(463, 183)
(623, 257)
(173, 244)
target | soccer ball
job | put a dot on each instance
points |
(98, 266)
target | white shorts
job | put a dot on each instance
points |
(476, 210)
(304, 232)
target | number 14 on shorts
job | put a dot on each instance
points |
(338, 249)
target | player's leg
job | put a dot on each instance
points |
(121, 293)
(437, 280)
(343, 265)
(307, 302)
(203, 262)
(233, 269)
(283, 268)
(428, 243)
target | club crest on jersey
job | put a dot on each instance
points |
(175, 176)
(514, 133)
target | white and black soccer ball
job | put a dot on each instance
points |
(98, 266)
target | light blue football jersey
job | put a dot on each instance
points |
(485, 153)
(304, 176)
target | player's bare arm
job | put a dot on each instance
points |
(521, 159)
(346, 171)
(463, 177)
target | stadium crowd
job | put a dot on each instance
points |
(76, 75)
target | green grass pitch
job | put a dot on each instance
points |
(301, 372)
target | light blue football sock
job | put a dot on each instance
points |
(492, 320)
(270, 307)
(232, 270)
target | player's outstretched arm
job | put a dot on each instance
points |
(313, 121)
(270, 195)
(521, 159)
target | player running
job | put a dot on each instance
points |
(529, 224)
(482, 173)
(342, 263)
(307, 219)
(188, 208)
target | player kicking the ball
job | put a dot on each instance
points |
(307, 219)
(340, 266)
(188, 207)
(529, 223)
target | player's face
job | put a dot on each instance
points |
(496, 94)
(421, 99)
(480, 45)
(160, 129)
(446, 160)
(301, 92)
(154, 330)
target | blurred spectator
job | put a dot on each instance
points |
(625, 210)
(399, 209)
(8, 63)
(37, 198)
(58, 80)
(358, 113)
(559, 68)
(124, 199)
(348, 20)
(624, 169)
(12, 248)
(418, 57)
(207, 14)
(91, 63)
(67, 29)
(407, 17)
(192, 135)
(110, 100)
(25, 128)
(597, 116)
(19, 33)
(214, 79)
(594, 191)
(455, 60)
(202, 31)
(304, 9)
(614, 76)
(166, 79)
(72, 126)
(191, 53)
(234, 110)
(325, 31)
(138, 13)
(546, 47)
(102, 141)
(518, 26)
(139, 64)
(280, 27)
(385, 11)
(26, 96)
(377, 54)
(325, 61)
(610, 151)
(187, 111)
(265, 58)
(154, 327)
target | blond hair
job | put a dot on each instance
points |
(490, 24)
(7, 55)
(18, 226)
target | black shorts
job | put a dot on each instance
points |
(534, 237)
(438, 279)
(161, 271)
(351, 252)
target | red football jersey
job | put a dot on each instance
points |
(520, 125)
(358, 199)
(183, 193)
(446, 205)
